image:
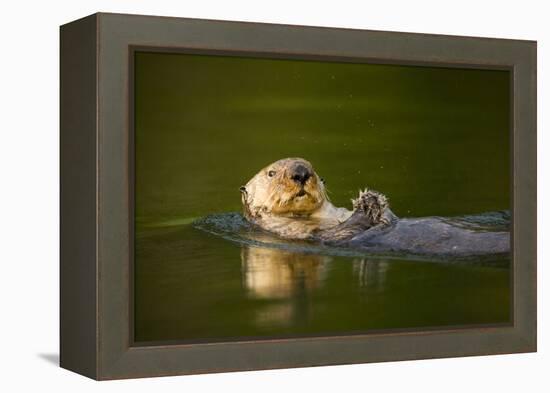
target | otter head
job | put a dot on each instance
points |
(288, 187)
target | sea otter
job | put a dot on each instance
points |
(288, 198)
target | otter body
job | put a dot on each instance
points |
(289, 199)
(430, 236)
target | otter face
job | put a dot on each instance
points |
(288, 187)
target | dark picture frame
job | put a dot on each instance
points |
(96, 263)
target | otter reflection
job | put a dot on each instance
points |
(286, 281)
(371, 273)
(277, 274)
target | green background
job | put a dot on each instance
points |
(434, 140)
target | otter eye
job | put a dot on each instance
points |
(322, 180)
(271, 173)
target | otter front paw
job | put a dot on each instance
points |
(370, 210)
(372, 205)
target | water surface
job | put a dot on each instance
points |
(435, 140)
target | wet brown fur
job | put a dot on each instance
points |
(272, 200)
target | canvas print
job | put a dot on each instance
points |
(281, 198)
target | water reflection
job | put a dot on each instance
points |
(370, 273)
(278, 274)
(259, 291)
(271, 273)
(288, 282)
(285, 279)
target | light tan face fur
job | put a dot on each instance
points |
(273, 191)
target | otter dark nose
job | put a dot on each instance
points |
(300, 174)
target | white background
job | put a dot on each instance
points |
(29, 193)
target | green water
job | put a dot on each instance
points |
(435, 140)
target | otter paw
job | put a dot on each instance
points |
(371, 204)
